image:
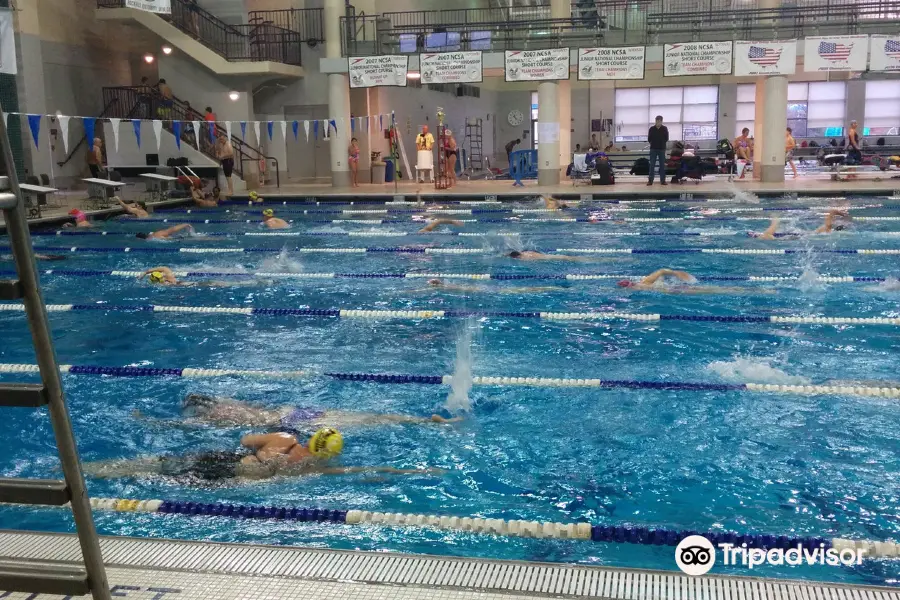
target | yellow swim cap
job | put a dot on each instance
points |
(253, 195)
(157, 277)
(268, 213)
(326, 443)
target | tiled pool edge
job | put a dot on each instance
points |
(431, 572)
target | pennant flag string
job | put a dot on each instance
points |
(136, 125)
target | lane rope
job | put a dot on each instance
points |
(595, 315)
(157, 249)
(584, 531)
(476, 276)
(891, 389)
(711, 233)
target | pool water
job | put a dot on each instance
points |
(824, 465)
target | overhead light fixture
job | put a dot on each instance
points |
(148, 58)
(167, 50)
(412, 75)
(234, 95)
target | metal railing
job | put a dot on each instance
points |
(252, 42)
(147, 103)
(104, 113)
(307, 22)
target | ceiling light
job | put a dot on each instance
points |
(148, 58)
(234, 95)
(167, 50)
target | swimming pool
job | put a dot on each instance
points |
(692, 458)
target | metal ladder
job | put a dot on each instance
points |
(476, 152)
(27, 575)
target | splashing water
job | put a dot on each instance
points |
(809, 278)
(283, 263)
(890, 284)
(461, 380)
(743, 196)
(746, 370)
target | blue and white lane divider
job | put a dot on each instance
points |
(710, 233)
(889, 390)
(623, 534)
(451, 314)
(477, 276)
(158, 249)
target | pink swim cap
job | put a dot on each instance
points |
(79, 216)
(625, 283)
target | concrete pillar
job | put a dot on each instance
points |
(562, 9)
(769, 151)
(548, 133)
(32, 92)
(338, 96)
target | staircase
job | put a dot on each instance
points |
(260, 48)
(140, 102)
(33, 576)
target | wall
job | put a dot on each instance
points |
(192, 82)
(230, 11)
(507, 101)
(129, 154)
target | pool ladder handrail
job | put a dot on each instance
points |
(50, 577)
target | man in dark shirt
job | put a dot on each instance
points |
(509, 149)
(658, 136)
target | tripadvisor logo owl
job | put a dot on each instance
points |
(695, 555)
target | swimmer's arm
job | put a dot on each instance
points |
(272, 440)
(655, 276)
(128, 208)
(166, 271)
(175, 229)
(390, 470)
(769, 234)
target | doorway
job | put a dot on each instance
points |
(308, 161)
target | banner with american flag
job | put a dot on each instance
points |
(885, 53)
(765, 58)
(836, 53)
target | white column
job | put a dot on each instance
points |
(562, 9)
(338, 96)
(548, 133)
(770, 156)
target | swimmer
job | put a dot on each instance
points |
(137, 209)
(9, 257)
(433, 223)
(553, 204)
(828, 225)
(452, 287)
(273, 222)
(254, 197)
(772, 232)
(655, 282)
(165, 276)
(164, 234)
(81, 219)
(260, 457)
(532, 255)
(201, 409)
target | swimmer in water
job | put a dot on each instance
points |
(208, 200)
(165, 234)
(432, 224)
(137, 210)
(553, 204)
(260, 457)
(686, 284)
(533, 255)
(201, 409)
(165, 276)
(273, 222)
(6, 257)
(81, 220)
(452, 287)
(827, 226)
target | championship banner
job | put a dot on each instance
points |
(377, 71)
(536, 65)
(451, 67)
(611, 63)
(154, 6)
(885, 53)
(765, 58)
(698, 58)
(836, 53)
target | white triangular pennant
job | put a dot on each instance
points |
(157, 131)
(228, 129)
(196, 125)
(306, 129)
(256, 131)
(284, 130)
(115, 129)
(327, 129)
(64, 131)
(6, 119)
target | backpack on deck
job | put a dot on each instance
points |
(641, 167)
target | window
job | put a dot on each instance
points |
(690, 113)
(882, 113)
(813, 109)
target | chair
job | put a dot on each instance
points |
(581, 170)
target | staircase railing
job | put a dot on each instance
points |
(104, 113)
(147, 103)
(252, 42)
(307, 22)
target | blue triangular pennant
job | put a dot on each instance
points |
(243, 130)
(367, 122)
(295, 127)
(89, 124)
(352, 125)
(211, 128)
(137, 131)
(34, 122)
(316, 129)
(381, 122)
(333, 123)
(269, 129)
(176, 129)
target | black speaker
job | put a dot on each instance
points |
(459, 91)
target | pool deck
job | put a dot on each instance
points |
(150, 569)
